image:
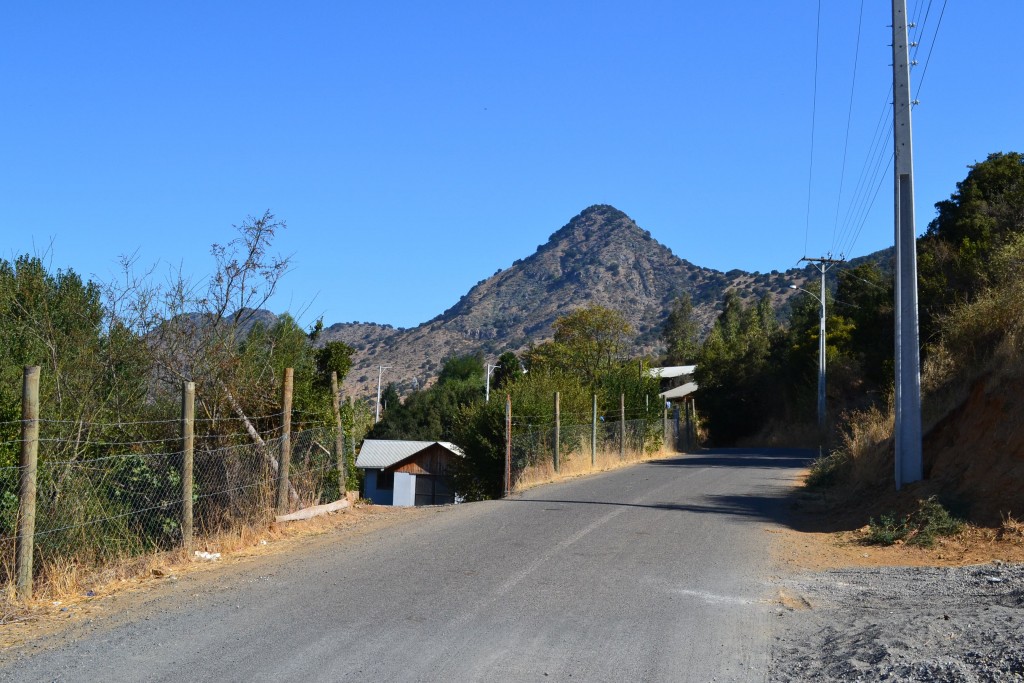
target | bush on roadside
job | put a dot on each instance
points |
(921, 527)
(829, 470)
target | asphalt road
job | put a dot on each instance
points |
(657, 572)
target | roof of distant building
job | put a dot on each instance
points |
(671, 371)
(382, 453)
(680, 391)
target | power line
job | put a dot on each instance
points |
(931, 47)
(920, 25)
(869, 171)
(849, 119)
(872, 203)
(865, 201)
(814, 115)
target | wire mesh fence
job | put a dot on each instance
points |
(534, 445)
(129, 500)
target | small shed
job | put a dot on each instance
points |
(406, 473)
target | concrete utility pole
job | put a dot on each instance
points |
(908, 356)
(487, 391)
(380, 373)
(822, 265)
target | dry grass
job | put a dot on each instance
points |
(867, 443)
(578, 465)
(1011, 530)
(823, 550)
(67, 580)
(863, 452)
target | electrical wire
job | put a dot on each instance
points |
(867, 177)
(871, 204)
(849, 120)
(814, 116)
(931, 48)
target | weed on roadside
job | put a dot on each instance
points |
(886, 531)
(829, 470)
(921, 527)
(1010, 529)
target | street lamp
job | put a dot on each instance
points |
(821, 353)
(380, 372)
(487, 391)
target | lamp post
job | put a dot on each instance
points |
(821, 352)
(380, 373)
(487, 390)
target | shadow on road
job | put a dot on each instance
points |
(747, 457)
(774, 499)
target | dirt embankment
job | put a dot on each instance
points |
(975, 454)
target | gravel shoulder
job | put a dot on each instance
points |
(902, 624)
(853, 612)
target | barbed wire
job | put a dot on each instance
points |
(177, 420)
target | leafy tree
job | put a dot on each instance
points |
(734, 369)
(594, 339)
(463, 368)
(333, 356)
(681, 332)
(508, 370)
(389, 397)
(982, 215)
(588, 342)
(864, 305)
(433, 414)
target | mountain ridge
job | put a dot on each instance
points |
(600, 257)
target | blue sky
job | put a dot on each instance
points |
(415, 149)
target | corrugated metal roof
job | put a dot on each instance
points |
(672, 371)
(680, 391)
(381, 453)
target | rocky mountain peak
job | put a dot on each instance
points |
(600, 257)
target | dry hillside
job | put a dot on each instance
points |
(601, 257)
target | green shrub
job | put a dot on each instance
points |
(921, 527)
(886, 531)
(829, 470)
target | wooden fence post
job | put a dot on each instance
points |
(622, 426)
(508, 444)
(558, 429)
(352, 433)
(27, 481)
(593, 434)
(339, 439)
(188, 416)
(286, 443)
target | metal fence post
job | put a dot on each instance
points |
(689, 426)
(675, 428)
(188, 415)
(286, 443)
(664, 427)
(593, 434)
(27, 481)
(693, 423)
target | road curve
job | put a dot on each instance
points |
(656, 572)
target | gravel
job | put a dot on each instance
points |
(902, 624)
